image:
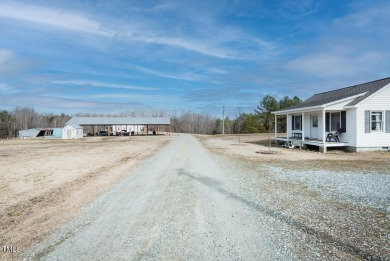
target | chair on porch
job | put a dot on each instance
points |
(334, 136)
(288, 144)
(297, 144)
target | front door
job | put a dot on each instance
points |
(314, 126)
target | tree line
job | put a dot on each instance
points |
(22, 118)
(261, 120)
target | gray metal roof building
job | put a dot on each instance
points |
(114, 125)
(95, 121)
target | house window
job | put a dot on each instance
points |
(315, 121)
(296, 122)
(376, 121)
(335, 119)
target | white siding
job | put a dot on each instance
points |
(321, 127)
(306, 124)
(75, 133)
(129, 128)
(380, 101)
(288, 125)
(350, 135)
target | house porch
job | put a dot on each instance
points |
(314, 142)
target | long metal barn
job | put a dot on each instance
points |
(117, 125)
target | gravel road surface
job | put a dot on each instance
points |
(187, 203)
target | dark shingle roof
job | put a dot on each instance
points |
(331, 96)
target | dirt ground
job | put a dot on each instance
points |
(46, 183)
(254, 147)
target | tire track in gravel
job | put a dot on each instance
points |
(180, 205)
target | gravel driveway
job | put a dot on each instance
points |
(186, 203)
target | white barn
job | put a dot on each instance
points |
(360, 115)
(129, 128)
(114, 125)
(72, 131)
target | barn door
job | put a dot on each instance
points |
(69, 134)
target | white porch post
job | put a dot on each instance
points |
(303, 126)
(276, 126)
(323, 126)
(323, 130)
(287, 125)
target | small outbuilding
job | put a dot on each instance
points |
(29, 133)
(72, 131)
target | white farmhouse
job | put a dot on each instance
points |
(72, 131)
(359, 114)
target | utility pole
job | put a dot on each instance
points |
(223, 119)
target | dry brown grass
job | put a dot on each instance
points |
(333, 160)
(45, 184)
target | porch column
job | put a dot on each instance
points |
(303, 126)
(276, 125)
(323, 126)
(287, 125)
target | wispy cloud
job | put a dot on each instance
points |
(189, 76)
(190, 45)
(297, 9)
(334, 64)
(353, 45)
(374, 18)
(147, 31)
(103, 85)
(137, 97)
(51, 17)
(6, 89)
(11, 64)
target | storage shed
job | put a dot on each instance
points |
(72, 131)
(29, 133)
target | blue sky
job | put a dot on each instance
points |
(174, 56)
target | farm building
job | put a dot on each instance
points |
(114, 125)
(356, 118)
(72, 131)
(53, 133)
(140, 129)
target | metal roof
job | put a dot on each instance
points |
(118, 121)
(74, 125)
(29, 133)
(366, 89)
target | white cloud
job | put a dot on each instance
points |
(51, 17)
(5, 55)
(369, 18)
(138, 97)
(334, 64)
(103, 85)
(185, 44)
(214, 43)
(352, 46)
(11, 64)
(177, 76)
(6, 89)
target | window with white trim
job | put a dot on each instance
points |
(335, 119)
(376, 121)
(296, 122)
